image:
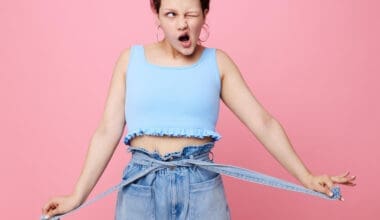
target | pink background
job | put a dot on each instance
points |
(313, 64)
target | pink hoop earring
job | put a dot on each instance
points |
(158, 28)
(205, 27)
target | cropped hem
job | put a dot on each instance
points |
(186, 132)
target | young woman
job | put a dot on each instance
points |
(168, 93)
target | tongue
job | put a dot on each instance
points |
(185, 41)
(186, 44)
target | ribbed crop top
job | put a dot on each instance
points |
(172, 100)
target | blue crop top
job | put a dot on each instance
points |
(172, 100)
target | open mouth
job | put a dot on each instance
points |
(184, 38)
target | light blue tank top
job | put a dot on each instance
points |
(173, 101)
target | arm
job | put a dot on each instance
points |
(108, 133)
(240, 100)
(102, 144)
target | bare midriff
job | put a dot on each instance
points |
(166, 144)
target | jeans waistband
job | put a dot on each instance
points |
(143, 159)
(186, 152)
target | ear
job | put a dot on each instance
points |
(205, 12)
(153, 9)
(155, 15)
(156, 19)
(151, 4)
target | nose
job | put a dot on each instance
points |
(182, 24)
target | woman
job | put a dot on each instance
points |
(168, 93)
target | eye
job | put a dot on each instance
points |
(170, 14)
(193, 15)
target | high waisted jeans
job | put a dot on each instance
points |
(182, 185)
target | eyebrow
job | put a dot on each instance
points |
(167, 9)
(170, 9)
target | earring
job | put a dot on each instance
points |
(158, 29)
(205, 27)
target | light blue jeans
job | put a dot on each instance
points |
(182, 185)
(176, 190)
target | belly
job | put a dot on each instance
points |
(166, 144)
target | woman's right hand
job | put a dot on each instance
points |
(60, 204)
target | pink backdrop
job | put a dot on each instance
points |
(312, 64)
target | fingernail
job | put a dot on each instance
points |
(46, 217)
(331, 194)
(341, 198)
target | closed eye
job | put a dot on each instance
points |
(193, 15)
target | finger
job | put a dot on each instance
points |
(351, 179)
(52, 207)
(327, 180)
(346, 177)
(349, 184)
(344, 181)
(323, 189)
(340, 179)
(55, 208)
(345, 174)
(54, 211)
(47, 207)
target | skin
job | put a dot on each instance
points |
(247, 108)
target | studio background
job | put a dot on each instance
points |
(313, 64)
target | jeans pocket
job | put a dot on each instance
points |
(136, 200)
(207, 200)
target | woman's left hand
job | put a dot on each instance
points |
(324, 183)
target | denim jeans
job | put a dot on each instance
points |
(182, 185)
(176, 191)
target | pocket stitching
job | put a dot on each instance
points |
(138, 190)
(206, 185)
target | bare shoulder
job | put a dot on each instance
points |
(225, 63)
(123, 60)
(222, 55)
(125, 52)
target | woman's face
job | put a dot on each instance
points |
(181, 22)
